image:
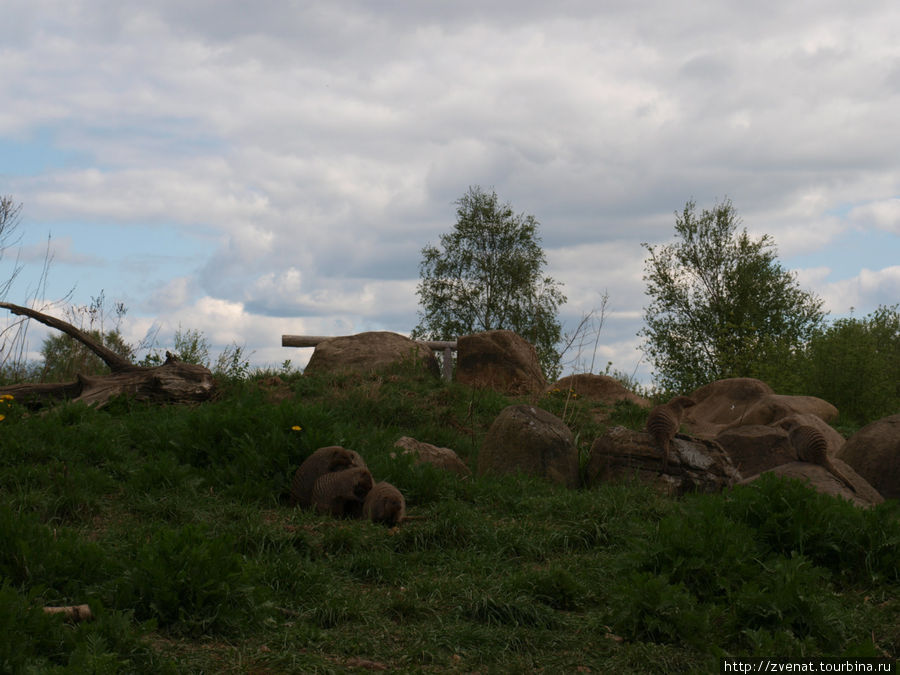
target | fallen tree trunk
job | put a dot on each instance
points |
(73, 613)
(172, 382)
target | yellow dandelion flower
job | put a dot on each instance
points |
(296, 427)
(2, 417)
(7, 397)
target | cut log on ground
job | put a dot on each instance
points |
(172, 382)
(73, 613)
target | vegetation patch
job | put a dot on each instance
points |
(172, 523)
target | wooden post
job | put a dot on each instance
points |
(448, 363)
(445, 346)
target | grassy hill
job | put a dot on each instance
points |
(173, 524)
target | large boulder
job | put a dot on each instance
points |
(601, 388)
(822, 480)
(366, 352)
(530, 440)
(744, 401)
(874, 453)
(499, 360)
(425, 453)
(754, 448)
(695, 465)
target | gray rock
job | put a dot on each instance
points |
(874, 453)
(425, 453)
(366, 352)
(530, 440)
(822, 480)
(499, 360)
(695, 465)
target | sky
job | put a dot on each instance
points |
(249, 170)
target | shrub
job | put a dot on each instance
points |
(191, 583)
(855, 365)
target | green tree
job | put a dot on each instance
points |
(487, 274)
(855, 365)
(65, 357)
(721, 304)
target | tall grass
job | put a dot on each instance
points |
(172, 523)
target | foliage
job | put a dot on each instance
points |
(855, 365)
(191, 582)
(65, 357)
(232, 362)
(172, 523)
(190, 345)
(721, 305)
(487, 274)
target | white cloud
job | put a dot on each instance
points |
(314, 148)
(883, 214)
(863, 292)
(56, 250)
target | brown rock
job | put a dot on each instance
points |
(527, 439)
(275, 389)
(822, 480)
(745, 401)
(602, 388)
(754, 448)
(694, 465)
(874, 452)
(366, 352)
(833, 439)
(499, 360)
(425, 453)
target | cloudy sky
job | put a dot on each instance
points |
(253, 169)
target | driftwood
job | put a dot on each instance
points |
(172, 382)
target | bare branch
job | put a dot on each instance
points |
(115, 362)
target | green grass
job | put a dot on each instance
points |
(172, 523)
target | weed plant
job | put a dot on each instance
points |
(173, 524)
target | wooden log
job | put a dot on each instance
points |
(73, 613)
(173, 382)
(313, 340)
(302, 340)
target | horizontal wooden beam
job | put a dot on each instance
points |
(313, 340)
(301, 340)
(445, 346)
